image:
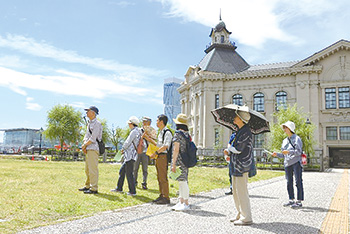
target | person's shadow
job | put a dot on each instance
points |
(279, 227)
(196, 210)
(108, 196)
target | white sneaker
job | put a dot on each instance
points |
(176, 206)
(183, 207)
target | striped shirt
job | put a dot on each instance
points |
(131, 143)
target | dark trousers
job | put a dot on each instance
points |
(295, 169)
(230, 174)
(162, 175)
(127, 170)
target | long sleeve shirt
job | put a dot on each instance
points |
(131, 143)
(295, 152)
(96, 133)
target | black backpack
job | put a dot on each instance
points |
(101, 145)
(170, 149)
(189, 158)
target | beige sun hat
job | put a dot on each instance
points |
(181, 119)
(290, 125)
(243, 113)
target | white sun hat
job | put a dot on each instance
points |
(290, 125)
(133, 120)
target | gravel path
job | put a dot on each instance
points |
(211, 211)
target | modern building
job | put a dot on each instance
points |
(18, 139)
(171, 99)
(319, 83)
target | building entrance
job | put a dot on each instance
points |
(339, 157)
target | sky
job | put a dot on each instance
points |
(115, 54)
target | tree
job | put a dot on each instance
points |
(118, 135)
(303, 129)
(64, 125)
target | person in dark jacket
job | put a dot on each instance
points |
(241, 153)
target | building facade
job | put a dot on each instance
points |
(320, 84)
(18, 139)
(171, 99)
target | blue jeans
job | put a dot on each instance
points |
(127, 170)
(295, 169)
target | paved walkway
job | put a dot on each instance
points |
(326, 205)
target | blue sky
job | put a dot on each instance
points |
(116, 54)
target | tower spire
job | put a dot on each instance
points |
(220, 14)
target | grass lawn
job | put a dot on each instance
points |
(38, 193)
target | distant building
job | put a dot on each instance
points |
(171, 99)
(23, 138)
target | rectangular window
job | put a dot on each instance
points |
(259, 141)
(217, 137)
(217, 101)
(344, 97)
(344, 133)
(331, 102)
(331, 133)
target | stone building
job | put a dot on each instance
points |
(320, 84)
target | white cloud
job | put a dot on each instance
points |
(252, 22)
(134, 74)
(74, 84)
(30, 105)
(33, 106)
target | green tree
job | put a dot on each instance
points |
(64, 124)
(303, 129)
(117, 136)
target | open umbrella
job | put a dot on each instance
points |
(225, 115)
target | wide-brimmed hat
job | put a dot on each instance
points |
(133, 120)
(146, 118)
(93, 108)
(243, 113)
(181, 119)
(290, 125)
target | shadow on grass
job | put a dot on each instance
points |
(108, 197)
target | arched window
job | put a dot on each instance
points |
(259, 102)
(281, 100)
(237, 99)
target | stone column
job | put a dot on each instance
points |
(200, 122)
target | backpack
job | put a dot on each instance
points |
(141, 145)
(170, 150)
(101, 145)
(189, 157)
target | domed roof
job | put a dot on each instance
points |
(220, 26)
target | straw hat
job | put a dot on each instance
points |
(181, 119)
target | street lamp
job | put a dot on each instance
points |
(41, 136)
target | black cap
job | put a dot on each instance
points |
(93, 108)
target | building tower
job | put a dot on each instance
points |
(171, 99)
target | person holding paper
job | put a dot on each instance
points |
(291, 152)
